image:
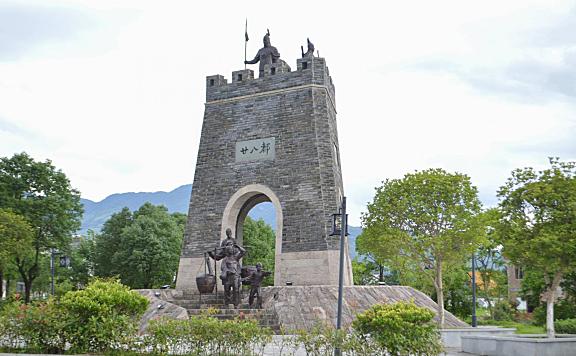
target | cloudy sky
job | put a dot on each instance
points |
(113, 91)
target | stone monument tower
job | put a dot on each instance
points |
(272, 138)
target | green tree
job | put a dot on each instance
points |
(81, 269)
(363, 272)
(43, 196)
(142, 248)
(426, 220)
(108, 241)
(458, 290)
(259, 240)
(15, 241)
(539, 224)
(492, 283)
(367, 271)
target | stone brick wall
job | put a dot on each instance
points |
(297, 108)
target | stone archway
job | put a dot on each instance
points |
(237, 209)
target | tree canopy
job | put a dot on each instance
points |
(42, 195)
(142, 248)
(539, 224)
(426, 221)
(16, 237)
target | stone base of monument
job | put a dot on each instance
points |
(160, 307)
(293, 307)
(303, 307)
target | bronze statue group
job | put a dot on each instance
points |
(230, 253)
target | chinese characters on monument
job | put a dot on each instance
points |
(255, 150)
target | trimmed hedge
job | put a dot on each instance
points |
(566, 326)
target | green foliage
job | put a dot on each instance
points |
(16, 236)
(400, 329)
(102, 317)
(363, 272)
(82, 261)
(532, 287)
(259, 240)
(564, 309)
(521, 328)
(322, 340)
(142, 248)
(38, 326)
(108, 241)
(205, 335)
(458, 291)
(539, 217)
(43, 196)
(503, 311)
(422, 225)
(368, 271)
(492, 282)
(566, 326)
(539, 223)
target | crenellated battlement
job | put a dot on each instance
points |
(277, 76)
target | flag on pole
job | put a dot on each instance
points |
(246, 31)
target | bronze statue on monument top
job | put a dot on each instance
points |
(310, 51)
(266, 55)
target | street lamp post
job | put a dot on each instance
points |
(340, 227)
(64, 262)
(52, 253)
(474, 321)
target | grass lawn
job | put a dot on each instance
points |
(521, 328)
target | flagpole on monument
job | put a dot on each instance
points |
(245, 42)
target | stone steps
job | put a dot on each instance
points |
(196, 304)
(264, 317)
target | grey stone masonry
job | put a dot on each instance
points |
(294, 111)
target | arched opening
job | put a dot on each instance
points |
(256, 229)
(257, 202)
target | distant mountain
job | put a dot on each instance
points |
(96, 213)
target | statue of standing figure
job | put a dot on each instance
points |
(256, 278)
(230, 253)
(266, 55)
(230, 270)
(218, 253)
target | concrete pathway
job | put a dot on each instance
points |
(275, 349)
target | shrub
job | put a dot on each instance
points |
(400, 329)
(566, 326)
(563, 309)
(321, 340)
(38, 326)
(104, 316)
(503, 311)
(205, 335)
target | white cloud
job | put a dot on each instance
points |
(117, 102)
